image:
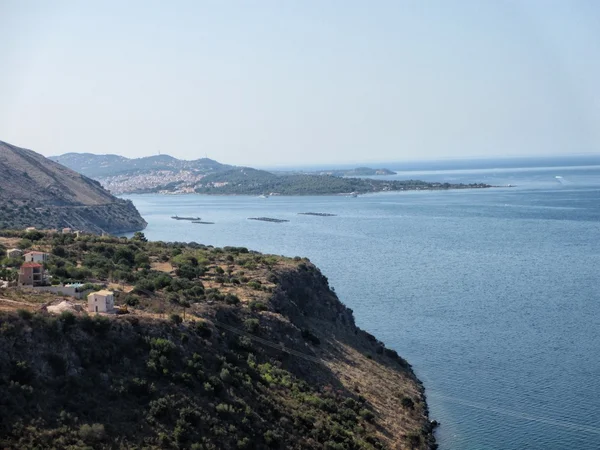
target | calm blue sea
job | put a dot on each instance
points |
(492, 295)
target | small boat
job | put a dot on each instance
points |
(263, 196)
(185, 218)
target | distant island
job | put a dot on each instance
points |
(167, 175)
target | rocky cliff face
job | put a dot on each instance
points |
(35, 191)
(278, 363)
(308, 317)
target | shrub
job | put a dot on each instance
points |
(25, 314)
(367, 415)
(232, 299)
(408, 403)
(309, 336)
(68, 319)
(256, 305)
(91, 433)
(255, 285)
(175, 318)
(251, 325)
(225, 375)
(203, 329)
(132, 300)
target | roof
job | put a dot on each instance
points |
(14, 250)
(35, 253)
(31, 264)
(102, 292)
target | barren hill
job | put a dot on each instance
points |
(35, 191)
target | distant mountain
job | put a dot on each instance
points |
(35, 191)
(102, 166)
(165, 174)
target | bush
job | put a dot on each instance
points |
(307, 334)
(175, 318)
(132, 300)
(232, 299)
(203, 329)
(25, 314)
(408, 403)
(255, 285)
(92, 433)
(367, 415)
(251, 325)
(256, 306)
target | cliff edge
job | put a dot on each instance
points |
(220, 348)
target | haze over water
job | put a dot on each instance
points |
(492, 295)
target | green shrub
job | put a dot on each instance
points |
(367, 415)
(251, 325)
(92, 433)
(256, 306)
(203, 329)
(175, 318)
(25, 314)
(232, 299)
(256, 285)
(408, 403)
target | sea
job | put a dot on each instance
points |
(493, 295)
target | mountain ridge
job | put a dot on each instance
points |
(36, 191)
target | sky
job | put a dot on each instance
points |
(285, 82)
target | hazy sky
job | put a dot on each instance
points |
(299, 81)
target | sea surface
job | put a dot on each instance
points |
(492, 295)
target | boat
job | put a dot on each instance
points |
(185, 218)
(263, 196)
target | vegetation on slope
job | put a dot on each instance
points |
(171, 374)
(252, 181)
(35, 191)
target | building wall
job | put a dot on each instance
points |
(100, 303)
(35, 257)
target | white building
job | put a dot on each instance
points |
(36, 257)
(13, 253)
(101, 301)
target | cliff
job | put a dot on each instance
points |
(260, 354)
(35, 191)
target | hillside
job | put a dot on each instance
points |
(261, 354)
(101, 166)
(35, 191)
(165, 174)
(245, 181)
(124, 175)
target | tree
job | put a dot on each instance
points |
(139, 236)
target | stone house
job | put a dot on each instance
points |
(37, 257)
(101, 301)
(31, 274)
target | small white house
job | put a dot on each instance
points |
(101, 301)
(13, 253)
(36, 257)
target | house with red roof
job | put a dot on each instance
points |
(31, 274)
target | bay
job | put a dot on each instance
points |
(492, 295)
